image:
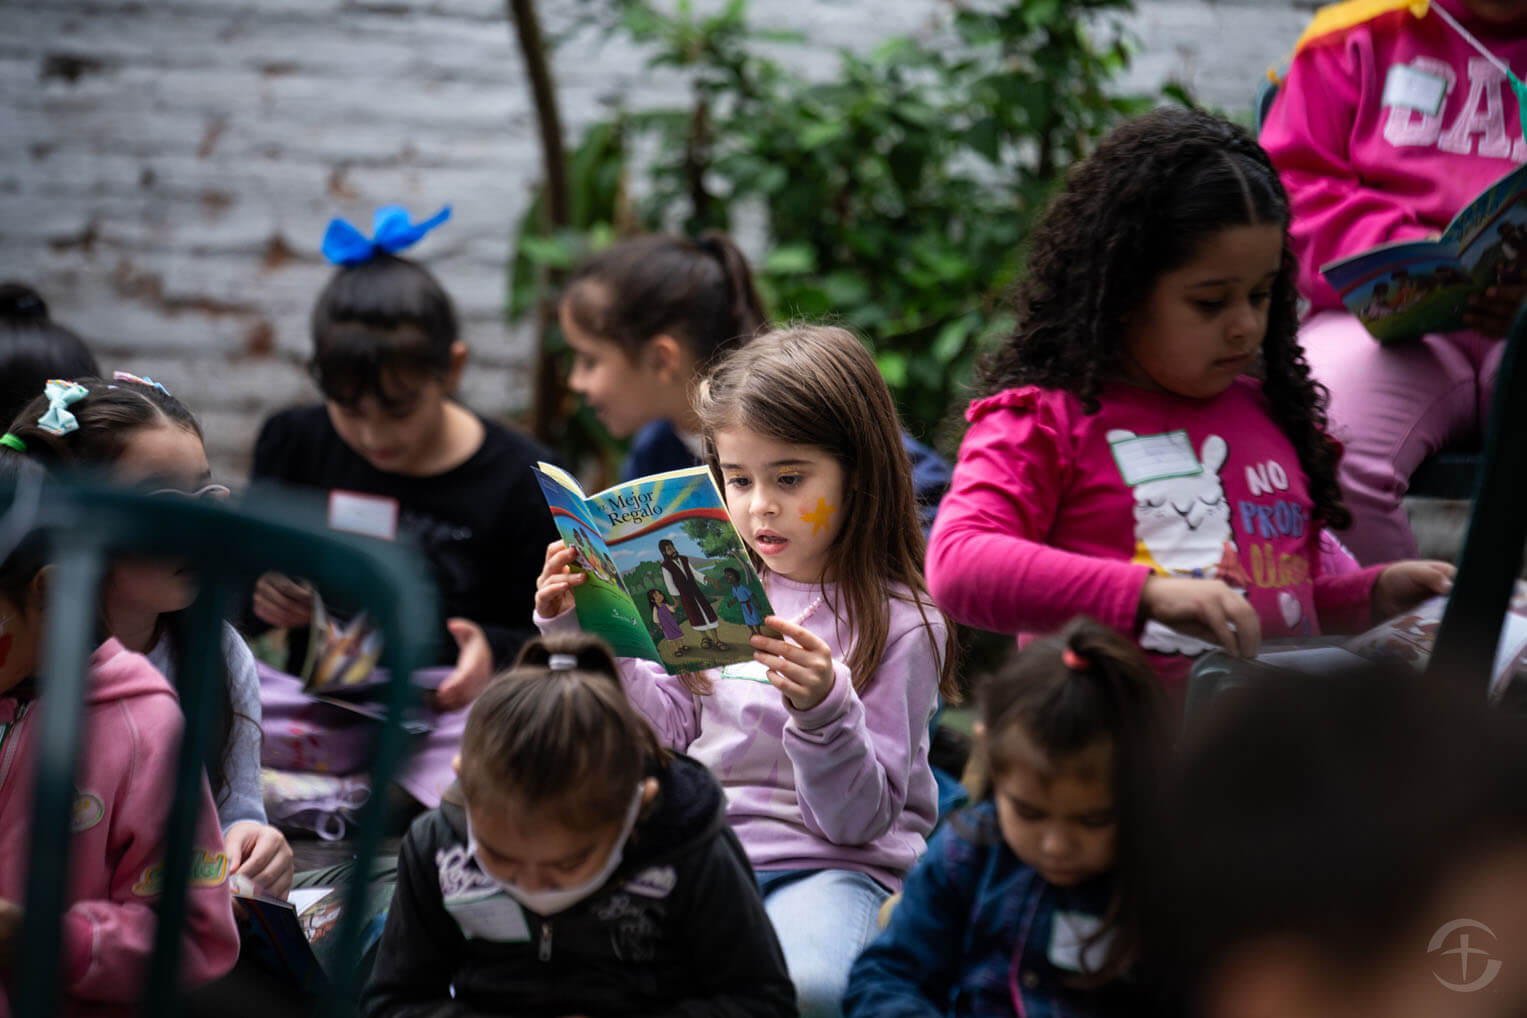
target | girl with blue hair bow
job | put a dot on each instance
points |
(391, 445)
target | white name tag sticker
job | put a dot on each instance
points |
(752, 671)
(1412, 89)
(494, 916)
(1069, 948)
(1154, 457)
(368, 515)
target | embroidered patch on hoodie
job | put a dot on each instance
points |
(207, 870)
(88, 811)
(653, 882)
(480, 909)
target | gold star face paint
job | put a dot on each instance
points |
(820, 518)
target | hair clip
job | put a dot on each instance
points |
(1072, 660)
(57, 420)
(562, 662)
(391, 231)
(128, 376)
(10, 441)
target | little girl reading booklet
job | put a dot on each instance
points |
(657, 552)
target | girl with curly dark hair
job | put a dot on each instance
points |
(1148, 447)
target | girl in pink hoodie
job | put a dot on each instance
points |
(1387, 125)
(131, 734)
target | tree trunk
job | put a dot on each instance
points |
(549, 391)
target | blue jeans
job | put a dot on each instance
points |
(823, 918)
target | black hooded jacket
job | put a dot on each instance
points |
(678, 930)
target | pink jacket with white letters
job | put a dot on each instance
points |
(131, 735)
(1387, 126)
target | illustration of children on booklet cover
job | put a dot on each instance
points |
(682, 583)
(667, 623)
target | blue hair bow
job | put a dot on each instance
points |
(57, 420)
(391, 231)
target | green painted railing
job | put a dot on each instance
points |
(229, 545)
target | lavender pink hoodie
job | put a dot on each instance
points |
(131, 734)
(1361, 172)
(845, 785)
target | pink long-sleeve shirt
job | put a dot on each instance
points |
(1055, 513)
(844, 785)
(130, 739)
(1364, 159)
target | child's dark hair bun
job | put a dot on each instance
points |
(21, 303)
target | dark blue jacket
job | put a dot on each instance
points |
(976, 934)
(657, 448)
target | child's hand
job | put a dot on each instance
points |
(1207, 609)
(260, 854)
(554, 587)
(1404, 585)
(474, 666)
(1490, 313)
(801, 670)
(283, 602)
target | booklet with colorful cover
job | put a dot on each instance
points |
(341, 654)
(296, 939)
(1410, 288)
(1408, 639)
(669, 578)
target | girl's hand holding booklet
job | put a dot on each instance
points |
(668, 578)
(1408, 639)
(1410, 288)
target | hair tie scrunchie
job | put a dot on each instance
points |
(562, 662)
(1072, 660)
(391, 232)
(128, 376)
(11, 441)
(57, 420)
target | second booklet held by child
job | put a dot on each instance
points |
(668, 577)
(1410, 288)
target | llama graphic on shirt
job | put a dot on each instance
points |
(1182, 517)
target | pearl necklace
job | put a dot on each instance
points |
(810, 609)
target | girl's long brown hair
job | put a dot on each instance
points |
(816, 385)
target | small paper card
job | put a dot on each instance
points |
(368, 515)
(1153, 457)
(1414, 89)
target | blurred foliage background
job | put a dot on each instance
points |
(894, 193)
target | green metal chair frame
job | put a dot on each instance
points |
(230, 545)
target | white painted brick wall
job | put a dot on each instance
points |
(168, 201)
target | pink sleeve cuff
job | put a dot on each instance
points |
(78, 946)
(567, 622)
(1344, 603)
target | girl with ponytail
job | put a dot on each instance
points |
(646, 318)
(1026, 902)
(577, 867)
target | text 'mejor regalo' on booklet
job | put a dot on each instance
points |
(1410, 288)
(668, 577)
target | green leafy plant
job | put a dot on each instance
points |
(895, 195)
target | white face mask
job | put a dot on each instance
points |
(550, 902)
